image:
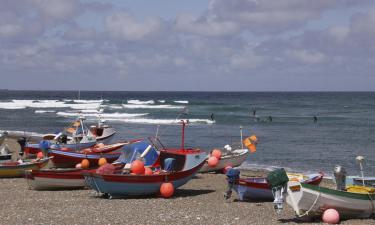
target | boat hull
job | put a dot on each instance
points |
(234, 160)
(257, 188)
(8, 171)
(137, 185)
(314, 200)
(70, 159)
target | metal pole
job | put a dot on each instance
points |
(157, 131)
(183, 135)
(241, 137)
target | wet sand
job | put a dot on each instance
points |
(198, 202)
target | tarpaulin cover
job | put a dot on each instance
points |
(133, 151)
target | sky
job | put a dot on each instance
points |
(191, 45)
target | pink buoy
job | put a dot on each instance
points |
(212, 161)
(39, 155)
(79, 166)
(331, 216)
(225, 170)
(216, 153)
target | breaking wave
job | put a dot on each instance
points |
(138, 102)
(182, 102)
(130, 106)
(162, 121)
(44, 111)
(102, 115)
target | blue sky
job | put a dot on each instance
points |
(196, 45)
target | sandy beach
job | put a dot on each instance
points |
(198, 202)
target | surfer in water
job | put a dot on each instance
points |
(212, 117)
(254, 112)
(315, 119)
(270, 118)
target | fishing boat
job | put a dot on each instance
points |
(234, 158)
(186, 163)
(358, 180)
(17, 169)
(257, 188)
(75, 137)
(72, 178)
(311, 201)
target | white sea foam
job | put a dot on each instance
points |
(103, 115)
(22, 104)
(161, 101)
(161, 121)
(138, 102)
(44, 111)
(130, 106)
(182, 102)
(88, 101)
(114, 106)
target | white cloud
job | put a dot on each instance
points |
(308, 57)
(188, 23)
(123, 26)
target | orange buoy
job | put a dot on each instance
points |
(253, 138)
(102, 161)
(212, 161)
(39, 155)
(225, 170)
(166, 189)
(216, 153)
(79, 166)
(137, 167)
(85, 164)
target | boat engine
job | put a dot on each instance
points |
(340, 176)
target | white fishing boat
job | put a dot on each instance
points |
(234, 158)
(312, 201)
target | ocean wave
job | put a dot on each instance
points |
(102, 115)
(162, 121)
(138, 102)
(44, 111)
(161, 101)
(130, 106)
(22, 104)
(182, 102)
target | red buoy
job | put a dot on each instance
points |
(137, 167)
(216, 153)
(39, 155)
(148, 171)
(212, 161)
(166, 189)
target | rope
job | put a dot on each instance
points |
(312, 206)
(372, 205)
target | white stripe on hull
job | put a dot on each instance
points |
(42, 183)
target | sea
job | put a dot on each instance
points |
(300, 131)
